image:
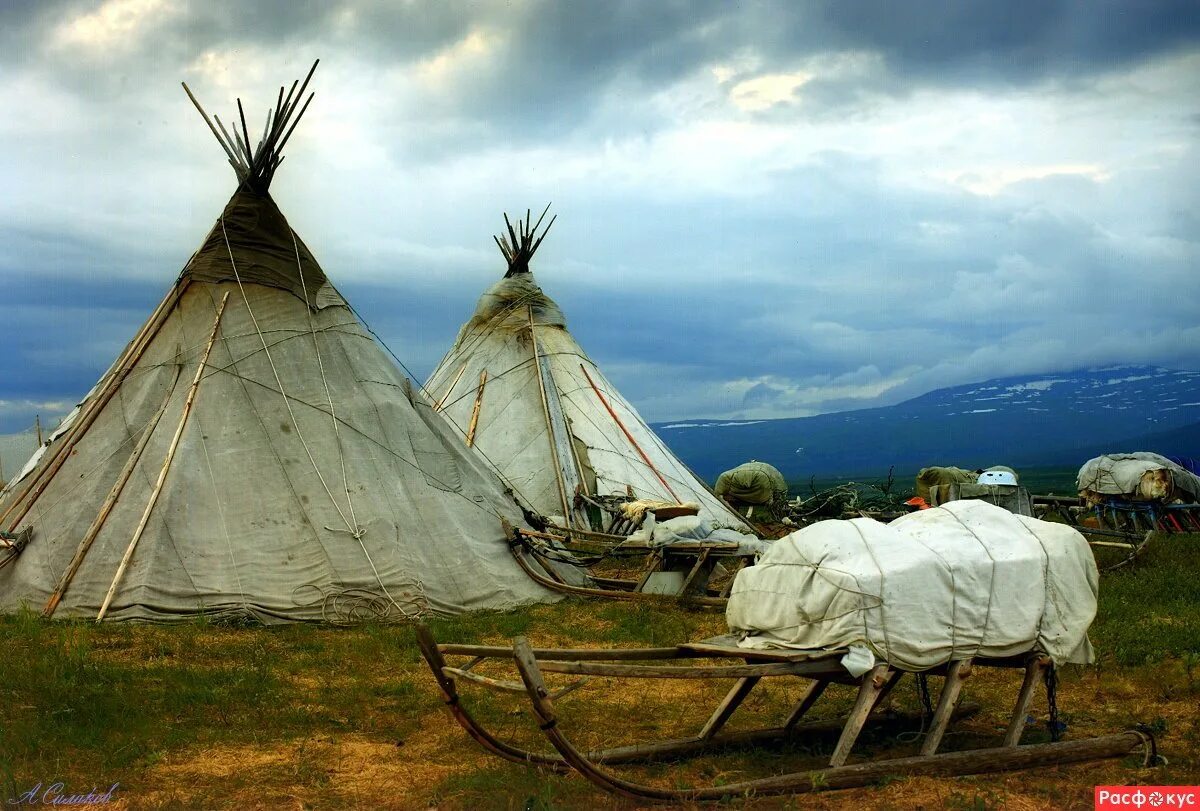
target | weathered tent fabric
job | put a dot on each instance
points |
(962, 580)
(267, 253)
(752, 483)
(307, 468)
(586, 444)
(15, 451)
(1118, 474)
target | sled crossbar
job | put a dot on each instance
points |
(747, 667)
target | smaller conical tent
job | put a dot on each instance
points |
(254, 452)
(526, 394)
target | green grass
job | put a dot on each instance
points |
(95, 704)
(1151, 611)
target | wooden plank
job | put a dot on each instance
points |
(1035, 671)
(166, 465)
(654, 563)
(956, 676)
(689, 582)
(585, 668)
(563, 654)
(728, 706)
(486, 681)
(868, 692)
(475, 410)
(882, 701)
(814, 692)
(726, 646)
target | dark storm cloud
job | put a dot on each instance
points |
(712, 284)
(949, 41)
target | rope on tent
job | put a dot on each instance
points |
(324, 382)
(355, 531)
(625, 431)
(212, 478)
(353, 606)
(494, 467)
(279, 382)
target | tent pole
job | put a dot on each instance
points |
(537, 367)
(475, 411)
(110, 501)
(162, 474)
(129, 358)
(442, 402)
(628, 435)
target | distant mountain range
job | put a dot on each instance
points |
(1037, 420)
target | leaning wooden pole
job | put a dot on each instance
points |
(475, 411)
(558, 473)
(110, 501)
(166, 465)
(625, 431)
(60, 451)
(440, 404)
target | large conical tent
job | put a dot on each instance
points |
(254, 452)
(526, 394)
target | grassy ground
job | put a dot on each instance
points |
(198, 716)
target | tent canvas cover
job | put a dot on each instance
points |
(522, 390)
(953, 582)
(254, 452)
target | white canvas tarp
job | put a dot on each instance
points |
(1118, 474)
(962, 580)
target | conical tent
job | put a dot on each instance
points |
(526, 394)
(254, 452)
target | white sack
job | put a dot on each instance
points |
(962, 580)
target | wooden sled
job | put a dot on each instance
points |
(695, 562)
(749, 667)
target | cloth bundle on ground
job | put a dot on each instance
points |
(1121, 474)
(657, 534)
(752, 483)
(931, 477)
(966, 579)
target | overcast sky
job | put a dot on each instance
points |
(765, 209)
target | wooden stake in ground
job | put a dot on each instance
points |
(166, 465)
